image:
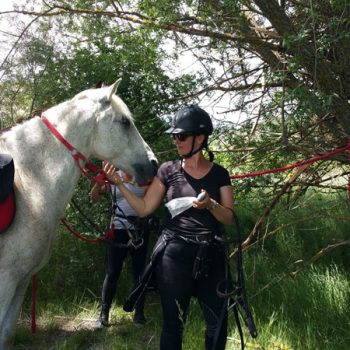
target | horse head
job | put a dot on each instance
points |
(117, 140)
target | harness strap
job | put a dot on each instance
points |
(226, 300)
(130, 244)
(135, 239)
(85, 219)
(147, 274)
(241, 295)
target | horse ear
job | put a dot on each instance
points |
(113, 88)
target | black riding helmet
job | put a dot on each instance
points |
(192, 120)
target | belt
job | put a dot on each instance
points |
(198, 239)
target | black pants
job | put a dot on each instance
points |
(176, 286)
(115, 260)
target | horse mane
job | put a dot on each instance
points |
(21, 120)
(39, 112)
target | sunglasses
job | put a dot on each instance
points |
(181, 137)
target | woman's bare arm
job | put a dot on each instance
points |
(143, 206)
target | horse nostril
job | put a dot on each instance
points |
(154, 164)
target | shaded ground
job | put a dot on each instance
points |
(62, 332)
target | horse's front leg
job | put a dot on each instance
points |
(11, 297)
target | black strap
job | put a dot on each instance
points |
(220, 322)
(242, 295)
(193, 151)
(225, 303)
(235, 292)
(139, 290)
(240, 330)
(84, 218)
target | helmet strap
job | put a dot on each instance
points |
(192, 152)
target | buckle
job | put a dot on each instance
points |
(136, 244)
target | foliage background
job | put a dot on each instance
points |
(275, 77)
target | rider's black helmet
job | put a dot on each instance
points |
(191, 120)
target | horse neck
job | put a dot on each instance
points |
(46, 173)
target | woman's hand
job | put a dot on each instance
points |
(98, 190)
(204, 203)
(111, 173)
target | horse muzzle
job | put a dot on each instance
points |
(144, 173)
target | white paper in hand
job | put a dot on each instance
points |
(179, 205)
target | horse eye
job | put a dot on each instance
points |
(125, 121)
(105, 103)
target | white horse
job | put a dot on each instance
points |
(98, 124)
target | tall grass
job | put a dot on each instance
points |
(310, 309)
(305, 310)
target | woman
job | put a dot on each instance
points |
(191, 261)
(130, 236)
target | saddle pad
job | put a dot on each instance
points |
(7, 195)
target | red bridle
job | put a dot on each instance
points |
(82, 162)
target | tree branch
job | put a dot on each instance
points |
(268, 210)
(318, 255)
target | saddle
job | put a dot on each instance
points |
(7, 193)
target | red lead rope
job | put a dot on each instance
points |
(296, 165)
(33, 303)
(108, 235)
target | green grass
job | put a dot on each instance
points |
(73, 327)
(308, 311)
